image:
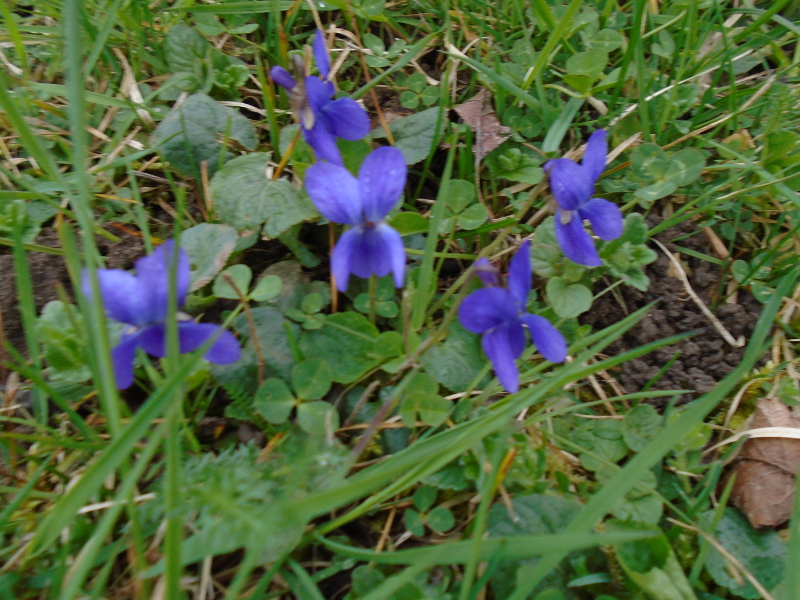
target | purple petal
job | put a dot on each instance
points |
(347, 118)
(319, 93)
(335, 193)
(155, 274)
(282, 77)
(381, 178)
(321, 54)
(122, 356)
(503, 345)
(520, 274)
(123, 296)
(323, 142)
(377, 250)
(605, 217)
(547, 339)
(341, 257)
(488, 273)
(223, 351)
(594, 156)
(487, 308)
(570, 184)
(575, 242)
(191, 336)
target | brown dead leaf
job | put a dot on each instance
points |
(478, 113)
(766, 468)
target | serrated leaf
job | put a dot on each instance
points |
(312, 379)
(245, 198)
(209, 245)
(60, 329)
(639, 425)
(193, 132)
(515, 164)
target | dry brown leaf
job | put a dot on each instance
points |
(766, 468)
(478, 113)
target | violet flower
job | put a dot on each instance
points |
(141, 301)
(499, 314)
(321, 118)
(370, 246)
(573, 186)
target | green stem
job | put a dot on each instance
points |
(373, 292)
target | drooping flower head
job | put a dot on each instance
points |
(573, 187)
(142, 301)
(321, 118)
(499, 314)
(370, 246)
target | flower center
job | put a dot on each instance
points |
(565, 217)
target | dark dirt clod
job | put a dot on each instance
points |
(705, 358)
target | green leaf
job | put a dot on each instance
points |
(537, 514)
(237, 275)
(245, 198)
(424, 498)
(473, 217)
(568, 300)
(652, 564)
(604, 441)
(515, 164)
(685, 166)
(589, 64)
(649, 161)
(60, 329)
(317, 418)
(274, 400)
(346, 341)
(193, 132)
(431, 408)
(660, 189)
(267, 288)
(409, 223)
(415, 134)
(608, 40)
(441, 519)
(455, 362)
(311, 379)
(640, 425)
(274, 345)
(413, 522)
(460, 194)
(187, 54)
(209, 245)
(761, 552)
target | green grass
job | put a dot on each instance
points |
(370, 489)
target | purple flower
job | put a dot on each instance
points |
(141, 301)
(322, 118)
(370, 246)
(573, 186)
(499, 314)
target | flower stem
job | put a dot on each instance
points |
(373, 292)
